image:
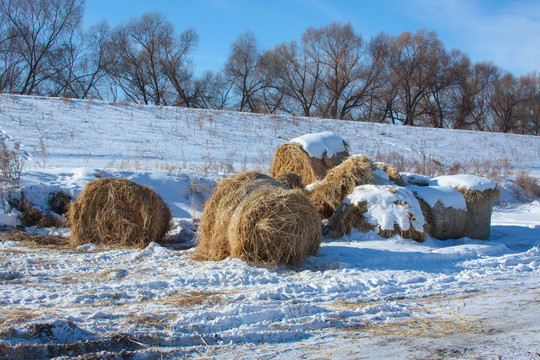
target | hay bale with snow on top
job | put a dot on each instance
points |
(480, 195)
(292, 180)
(118, 212)
(387, 209)
(260, 220)
(392, 173)
(309, 156)
(446, 211)
(340, 182)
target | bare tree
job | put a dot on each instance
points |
(38, 29)
(243, 70)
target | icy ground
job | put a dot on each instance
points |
(361, 297)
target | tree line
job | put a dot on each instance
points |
(332, 72)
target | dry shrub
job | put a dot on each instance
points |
(256, 218)
(479, 208)
(529, 185)
(340, 182)
(118, 212)
(292, 180)
(59, 202)
(392, 173)
(291, 157)
(30, 215)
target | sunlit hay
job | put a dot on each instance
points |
(392, 173)
(347, 217)
(212, 231)
(291, 157)
(292, 180)
(350, 214)
(479, 208)
(118, 212)
(275, 226)
(340, 182)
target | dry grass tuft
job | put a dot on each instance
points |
(530, 186)
(291, 157)
(292, 180)
(118, 212)
(340, 182)
(256, 218)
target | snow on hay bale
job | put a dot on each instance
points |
(258, 219)
(480, 194)
(392, 173)
(340, 182)
(446, 210)
(388, 209)
(118, 212)
(310, 156)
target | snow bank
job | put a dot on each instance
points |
(319, 144)
(446, 195)
(464, 181)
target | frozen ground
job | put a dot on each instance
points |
(361, 297)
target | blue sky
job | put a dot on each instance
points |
(504, 32)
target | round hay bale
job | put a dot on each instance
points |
(388, 209)
(480, 195)
(118, 212)
(258, 219)
(310, 156)
(392, 173)
(340, 182)
(213, 243)
(292, 180)
(290, 157)
(479, 209)
(444, 209)
(276, 226)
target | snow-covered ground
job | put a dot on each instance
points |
(362, 296)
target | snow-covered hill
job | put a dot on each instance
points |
(361, 297)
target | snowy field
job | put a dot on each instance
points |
(361, 297)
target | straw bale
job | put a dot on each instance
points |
(447, 222)
(118, 212)
(349, 215)
(479, 209)
(260, 220)
(213, 243)
(291, 157)
(292, 180)
(340, 182)
(276, 226)
(392, 173)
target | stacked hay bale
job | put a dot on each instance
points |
(387, 209)
(480, 194)
(256, 218)
(444, 209)
(309, 156)
(340, 182)
(118, 212)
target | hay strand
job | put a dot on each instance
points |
(118, 212)
(392, 173)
